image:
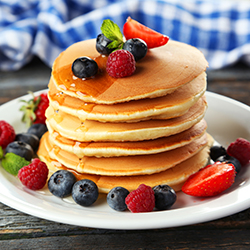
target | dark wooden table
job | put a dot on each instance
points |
(22, 231)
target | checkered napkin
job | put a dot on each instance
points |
(220, 29)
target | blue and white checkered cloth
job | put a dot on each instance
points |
(220, 29)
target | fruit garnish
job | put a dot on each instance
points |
(30, 139)
(211, 180)
(230, 159)
(217, 151)
(85, 192)
(12, 163)
(134, 29)
(165, 197)
(37, 129)
(61, 182)
(102, 43)
(7, 134)
(34, 176)
(34, 109)
(84, 67)
(120, 63)
(137, 47)
(141, 199)
(240, 149)
(116, 198)
(20, 148)
(113, 33)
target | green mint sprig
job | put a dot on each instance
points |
(112, 31)
(12, 163)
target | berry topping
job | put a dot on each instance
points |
(34, 109)
(37, 129)
(217, 151)
(34, 176)
(84, 67)
(134, 29)
(141, 200)
(30, 139)
(120, 63)
(240, 149)
(165, 197)
(102, 43)
(20, 148)
(137, 47)
(7, 134)
(116, 198)
(230, 159)
(61, 182)
(85, 192)
(210, 181)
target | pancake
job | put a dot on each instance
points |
(125, 165)
(108, 149)
(73, 128)
(162, 71)
(174, 177)
(169, 106)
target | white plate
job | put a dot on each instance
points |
(227, 120)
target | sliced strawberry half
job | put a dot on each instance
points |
(134, 29)
(211, 180)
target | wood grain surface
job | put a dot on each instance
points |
(22, 231)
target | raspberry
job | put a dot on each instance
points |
(240, 149)
(141, 200)
(34, 176)
(7, 134)
(120, 63)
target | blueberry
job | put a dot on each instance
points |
(102, 43)
(37, 129)
(165, 197)
(137, 47)
(116, 198)
(30, 139)
(84, 67)
(217, 151)
(230, 159)
(20, 148)
(61, 182)
(85, 192)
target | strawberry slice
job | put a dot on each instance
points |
(211, 180)
(134, 29)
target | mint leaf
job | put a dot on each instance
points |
(1, 153)
(112, 31)
(115, 45)
(12, 163)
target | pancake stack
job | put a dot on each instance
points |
(146, 128)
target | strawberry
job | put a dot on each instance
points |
(134, 29)
(34, 109)
(211, 180)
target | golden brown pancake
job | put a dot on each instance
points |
(169, 106)
(108, 149)
(174, 177)
(71, 127)
(160, 72)
(125, 165)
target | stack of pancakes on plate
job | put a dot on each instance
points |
(146, 128)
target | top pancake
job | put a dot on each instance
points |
(161, 71)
